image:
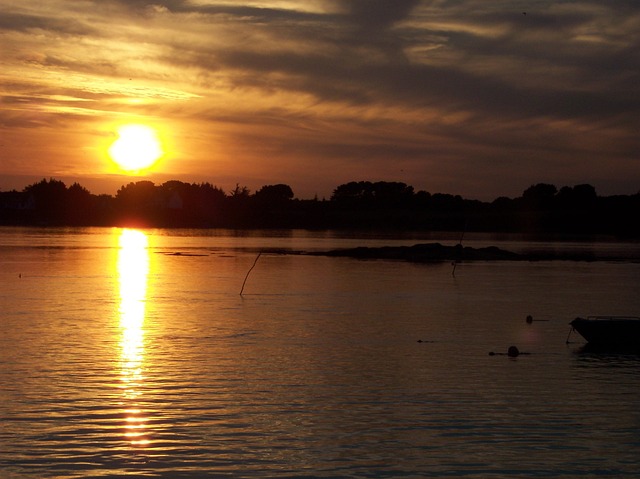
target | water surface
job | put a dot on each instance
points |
(132, 353)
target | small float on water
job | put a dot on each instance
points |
(609, 331)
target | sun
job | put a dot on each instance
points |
(136, 148)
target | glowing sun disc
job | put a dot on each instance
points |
(136, 148)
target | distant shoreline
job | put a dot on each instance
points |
(437, 252)
(363, 205)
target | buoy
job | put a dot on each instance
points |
(529, 319)
(513, 352)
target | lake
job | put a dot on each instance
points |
(131, 353)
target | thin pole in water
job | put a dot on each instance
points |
(248, 272)
(569, 335)
(455, 260)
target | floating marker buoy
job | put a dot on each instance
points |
(529, 319)
(512, 352)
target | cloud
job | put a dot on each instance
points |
(360, 81)
(31, 23)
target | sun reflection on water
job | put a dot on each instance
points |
(133, 272)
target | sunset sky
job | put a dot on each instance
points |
(480, 98)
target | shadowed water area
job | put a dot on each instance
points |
(132, 353)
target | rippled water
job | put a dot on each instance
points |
(132, 354)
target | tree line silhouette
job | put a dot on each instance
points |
(542, 208)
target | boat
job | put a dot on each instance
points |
(609, 331)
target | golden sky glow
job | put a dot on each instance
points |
(463, 97)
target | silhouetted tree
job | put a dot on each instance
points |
(80, 206)
(274, 195)
(212, 192)
(50, 200)
(363, 204)
(539, 196)
(78, 192)
(212, 201)
(239, 192)
(237, 207)
(579, 197)
(381, 194)
(446, 203)
(272, 205)
(138, 192)
(392, 194)
(585, 194)
(421, 199)
(353, 193)
(139, 202)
